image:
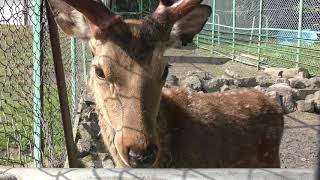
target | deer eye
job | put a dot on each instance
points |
(99, 73)
(165, 73)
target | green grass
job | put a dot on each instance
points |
(16, 98)
(275, 55)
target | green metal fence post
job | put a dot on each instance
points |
(197, 38)
(74, 84)
(233, 28)
(299, 32)
(84, 61)
(267, 28)
(141, 9)
(260, 32)
(213, 23)
(37, 109)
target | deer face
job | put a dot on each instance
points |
(128, 70)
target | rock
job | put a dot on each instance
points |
(288, 73)
(230, 74)
(192, 82)
(317, 105)
(86, 132)
(265, 80)
(288, 104)
(282, 88)
(225, 88)
(215, 84)
(97, 160)
(84, 147)
(107, 164)
(305, 106)
(299, 83)
(86, 162)
(103, 160)
(301, 94)
(93, 117)
(246, 82)
(261, 89)
(101, 156)
(282, 80)
(274, 95)
(274, 71)
(98, 146)
(202, 75)
(315, 82)
(310, 97)
(172, 81)
(317, 95)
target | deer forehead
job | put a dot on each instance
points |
(114, 59)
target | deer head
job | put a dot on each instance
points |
(128, 70)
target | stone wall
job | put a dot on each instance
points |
(293, 89)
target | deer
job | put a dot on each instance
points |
(143, 124)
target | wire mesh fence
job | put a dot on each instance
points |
(276, 33)
(26, 69)
(257, 32)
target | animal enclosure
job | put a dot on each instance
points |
(31, 132)
(277, 33)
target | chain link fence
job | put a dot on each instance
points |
(26, 69)
(256, 32)
(276, 33)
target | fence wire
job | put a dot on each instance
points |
(277, 33)
(17, 87)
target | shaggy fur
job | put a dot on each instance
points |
(238, 128)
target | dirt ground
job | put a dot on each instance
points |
(302, 130)
(299, 147)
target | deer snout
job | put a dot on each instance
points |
(142, 159)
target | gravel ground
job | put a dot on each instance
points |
(300, 140)
(182, 69)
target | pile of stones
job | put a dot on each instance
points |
(294, 89)
(91, 151)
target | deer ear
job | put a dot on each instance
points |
(71, 21)
(191, 24)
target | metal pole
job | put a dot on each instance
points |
(218, 28)
(62, 89)
(299, 32)
(84, 61)
(252, 29)
(74, 63)
(25, 12)
(37, 109)
(141, 9)
(197, 40)
(260, 32)
(213, 23)
(267, 28)
(233, 28)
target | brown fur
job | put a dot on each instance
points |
(234, 129)
(238, 128)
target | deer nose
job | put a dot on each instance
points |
(139, 159)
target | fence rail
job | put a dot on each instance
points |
(257, 32)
